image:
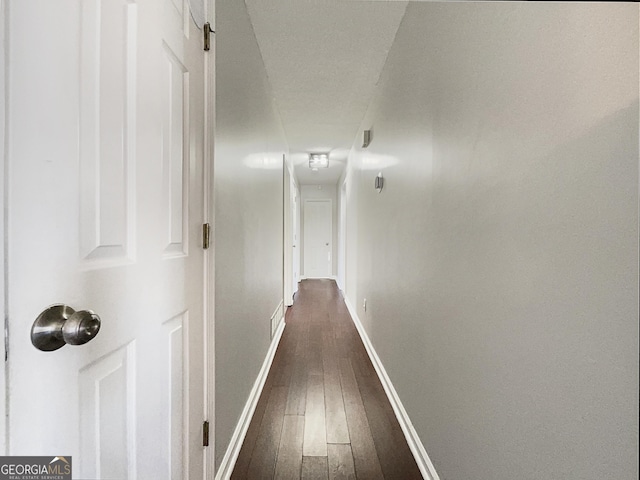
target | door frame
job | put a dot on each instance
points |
(297, 240)
(342, 238)
(209, 464)
(290, 225)
(4, 68)
(304, 240)
(287, 243)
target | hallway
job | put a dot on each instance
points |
(323, 412)
(496, 271)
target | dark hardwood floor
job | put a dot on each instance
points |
(323, 413)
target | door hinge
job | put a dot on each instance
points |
(206, 235)
(205, 434)
(207, 36)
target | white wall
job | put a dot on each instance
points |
(313, 192)
(248, 229)
(500, 262)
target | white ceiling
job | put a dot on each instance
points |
(323, 59)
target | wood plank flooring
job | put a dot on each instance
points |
(323, 413)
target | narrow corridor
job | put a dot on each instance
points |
(323, 413)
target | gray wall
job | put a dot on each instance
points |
(500, 262)
(248, 215)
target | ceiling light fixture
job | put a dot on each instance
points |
(318, 160)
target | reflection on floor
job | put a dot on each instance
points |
(323, 413)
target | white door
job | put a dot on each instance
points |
(105, 208)
(317, 238)
(291, 257)
(296, 237)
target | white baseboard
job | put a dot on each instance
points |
(237, 439)
(415, 444)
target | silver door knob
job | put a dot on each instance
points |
(61, 324)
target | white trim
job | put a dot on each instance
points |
(287, 213)
(209, 464)
(4, 392)
(341, 193)
(415, 444)
(237, 439)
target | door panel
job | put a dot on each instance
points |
(107, 448)
(175, 332)
(175, 128)
(106, 169)
(108, 73)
